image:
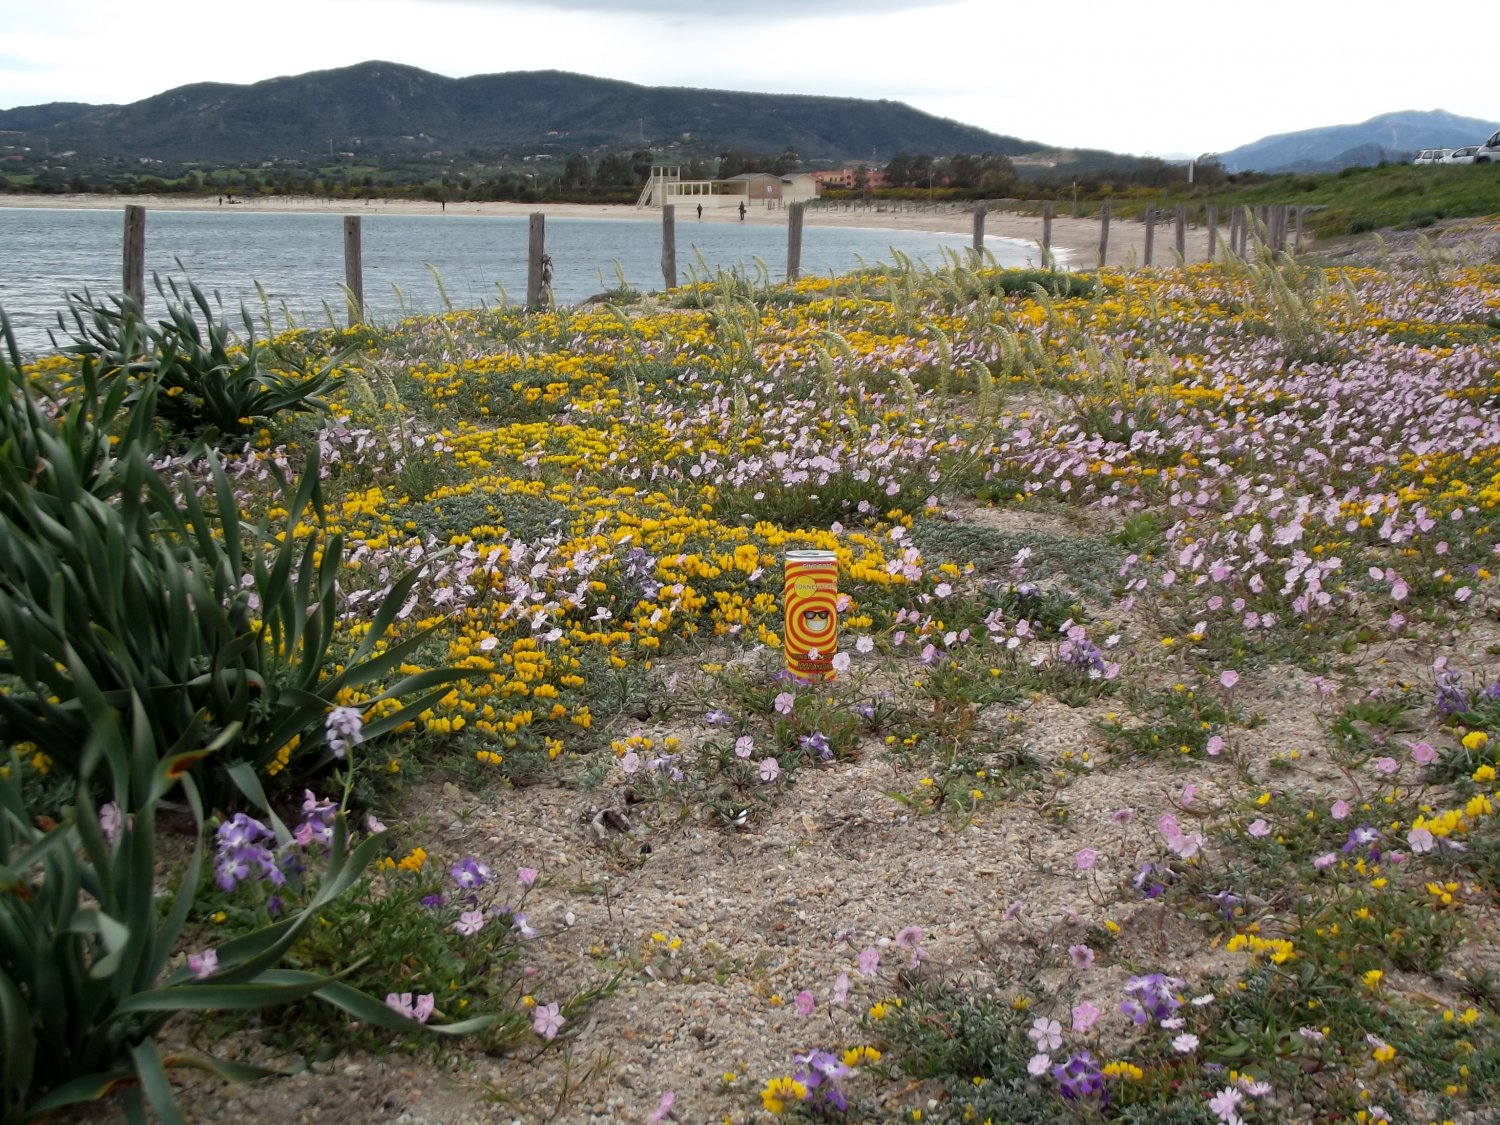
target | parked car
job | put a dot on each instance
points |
(1432, 156)
(1489, 152)
(1463, 155)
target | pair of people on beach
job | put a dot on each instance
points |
(742, 211)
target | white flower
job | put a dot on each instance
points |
(344, 727)
(1045, 1033)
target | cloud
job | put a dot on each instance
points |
(760, 11)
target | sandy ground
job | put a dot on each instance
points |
(1075, 242)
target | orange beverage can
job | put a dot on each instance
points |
(810, 595)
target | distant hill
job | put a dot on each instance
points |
(28, 118)
(385, 108)
(1391, 136)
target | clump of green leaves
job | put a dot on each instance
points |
(1182, 721)
(87, 979)
(111, 575)
(206, 383)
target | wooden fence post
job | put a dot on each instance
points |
(979, 214)
(536, 290)
(1297, 246)
(669, 245)
(354, 271)
(1103, 232)
(1150, 232)
(794, 240)
(1047, 235)
(1181, 218)
(133, 274)
(1211, 220)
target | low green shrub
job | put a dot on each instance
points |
(207, 384)
(112, 575)
(87, 979)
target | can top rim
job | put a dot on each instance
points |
(803, 556)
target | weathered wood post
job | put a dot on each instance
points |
(979, 214)
(1297, 246)
(133, 275)
(669, 245)
(536, 290)
(794, 240)
(1047, 235)
(354, 271)
(1211, 220)
(1103, 232)
(1181, 218)
(1150, 232)
(1281, 226)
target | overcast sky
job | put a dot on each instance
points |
(1172, 76)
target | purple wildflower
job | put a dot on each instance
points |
(817, 743)
(1452, 699)
(1151, 997)
(1080, 1077)
(469, 873)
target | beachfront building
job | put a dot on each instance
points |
(754, 189)
(851, 178)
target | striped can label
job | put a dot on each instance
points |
(810, 595)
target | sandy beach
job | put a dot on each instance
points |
(1075, 242)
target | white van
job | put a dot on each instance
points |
(1489, 152)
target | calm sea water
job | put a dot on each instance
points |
(47, 253)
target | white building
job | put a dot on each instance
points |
(754, 189)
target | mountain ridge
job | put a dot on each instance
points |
(388, 108)
(1329, 148)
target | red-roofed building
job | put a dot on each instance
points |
(848, 178)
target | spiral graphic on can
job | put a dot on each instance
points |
(810, 595)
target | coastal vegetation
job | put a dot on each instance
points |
(1353, 201)
(1166, 677)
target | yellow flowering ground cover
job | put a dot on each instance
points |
(1231, 527)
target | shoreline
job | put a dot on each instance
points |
(1075, 242)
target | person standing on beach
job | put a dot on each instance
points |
(700, 210)
(742, 210)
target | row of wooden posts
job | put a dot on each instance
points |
(1275, 227)
(538, 271)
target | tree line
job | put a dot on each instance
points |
(619, 176)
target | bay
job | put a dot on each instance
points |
(412, 263)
